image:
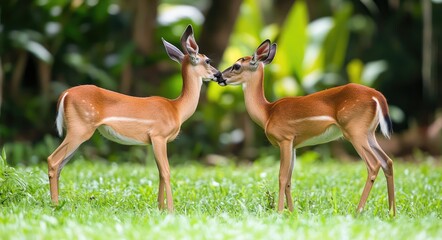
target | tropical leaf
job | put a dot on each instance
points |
(372, 71)
(354, 70)
(39, 51)
(28, 40)
(293, 42)
(365, 74)
(314, 56)
(82, 65)
(250, 20)
(336, 42)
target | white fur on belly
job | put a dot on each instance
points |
(109, 133)
(331, 133)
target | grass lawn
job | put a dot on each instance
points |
(102, 200)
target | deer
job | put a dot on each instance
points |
(132, 120)
(351, 111)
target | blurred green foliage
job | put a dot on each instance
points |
(91, 42)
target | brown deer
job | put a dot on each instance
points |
(353, 111)
(132, 120)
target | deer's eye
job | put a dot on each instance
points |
(208, 61)
(236, 67)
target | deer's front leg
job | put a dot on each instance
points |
(160, 151)
(286, 148)
(288, 189)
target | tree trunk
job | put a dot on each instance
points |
(126, 78)
(145, 12)
(44, 75)
(219, 24)
(19, 70)
(282, 8)
(144, 23)
(427, 51)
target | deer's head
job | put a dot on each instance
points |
(190, 57)
(244, 68)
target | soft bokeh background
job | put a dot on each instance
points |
(47, 46)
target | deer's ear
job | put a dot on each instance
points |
(271, 55)
(173, 52)
(261, 53)
(188, 42)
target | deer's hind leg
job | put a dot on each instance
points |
(357, 133)
(63, 153)
(387, 167)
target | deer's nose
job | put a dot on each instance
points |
(218, 75)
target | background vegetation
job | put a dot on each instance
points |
(49, 45)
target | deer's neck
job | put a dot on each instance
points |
(256, 103)
(187, 102)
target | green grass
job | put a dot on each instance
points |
(118, 201)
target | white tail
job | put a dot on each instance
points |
(60, 116)
(384, 122)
